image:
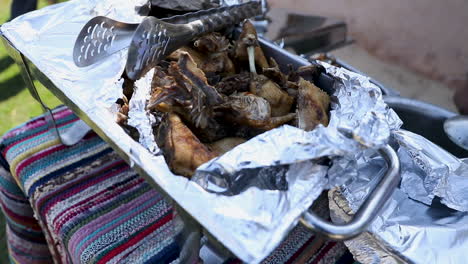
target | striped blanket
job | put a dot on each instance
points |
(84, 204)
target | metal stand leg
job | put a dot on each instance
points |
(73, 134)
(25, 72)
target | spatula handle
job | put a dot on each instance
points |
(203, 14)
(219, 18)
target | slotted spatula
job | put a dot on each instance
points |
(102, 36)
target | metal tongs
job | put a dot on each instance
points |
(153, 39)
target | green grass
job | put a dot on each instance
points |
(16, 104)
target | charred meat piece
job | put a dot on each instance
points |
(248, 39)
(214, 130)
(309, 73)
(122, 110)
(218, 63)
(275, 74)
(197, 79)
(312, 106)
(161, 78)
(128, 88)
(182, 149)
(224, 145)
(198, 58)
(182, 91)
(215, 47)
(122, 115)
(131, 131)
(235, 83)
(212, 43)
(253, 111)
(166, 93)
(279, 100)
(202, 95)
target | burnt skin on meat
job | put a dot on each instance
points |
(226, 144)
(212, 43)
(274, 73)
(216, 47)
(279, 100)
(253, 111)
(183, 151)
(312, 106)
(248, 38)
(198, 58)
(234, 83)
(196, 77)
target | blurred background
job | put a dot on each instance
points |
(16, 104)
(418, 47)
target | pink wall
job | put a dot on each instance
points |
(429, 36)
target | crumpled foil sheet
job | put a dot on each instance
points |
(428, 171)
(422, 231)
(139, 117)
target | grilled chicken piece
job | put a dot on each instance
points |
(309, 73)
(197, 80)
(212, 43)
(224, 145)
(253, 111)
(198, 58)
(249, 38)
(235, 83)
(279, 100)
(161, 79)
(185, 92)
(202, 95)
(312, 106)
(275, 74)
(182, 149)
(218, 63)
(166, 93)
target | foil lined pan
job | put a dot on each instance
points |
(253, 218)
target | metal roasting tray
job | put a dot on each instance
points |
(113, 135)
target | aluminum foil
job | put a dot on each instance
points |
(415, 225)
(139, 117)
(411, 231)
(429, 171)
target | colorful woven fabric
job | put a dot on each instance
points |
(91, 206)
(83, 204)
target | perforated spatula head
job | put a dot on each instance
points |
(155, 39)
(101, 37)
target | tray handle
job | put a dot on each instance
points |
(368, 210)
